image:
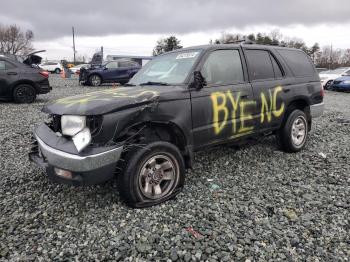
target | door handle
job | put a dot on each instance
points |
(12, 73)
(244, 96)
(286, 90)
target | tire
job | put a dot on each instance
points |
(57, 71)
(293, 134)
(95, 80)
(163, 169)
(328, 84)
(24, 93)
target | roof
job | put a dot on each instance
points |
(130, 56)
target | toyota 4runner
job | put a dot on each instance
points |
(178, 103)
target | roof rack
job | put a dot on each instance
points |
(241, 42)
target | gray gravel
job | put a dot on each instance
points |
(255, 203)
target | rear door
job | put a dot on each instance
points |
(269, 87)
(220, 110)
(8, 75)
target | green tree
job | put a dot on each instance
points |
(166, 44)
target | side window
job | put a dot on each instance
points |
(125, 64)
(259, 65)
(223, 67)
(112, 65)
(298, 62)
(2, 65)
(276, 68)
(347, 72)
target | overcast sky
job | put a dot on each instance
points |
(133, 26)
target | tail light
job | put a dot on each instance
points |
(44, 74)
(77, 72)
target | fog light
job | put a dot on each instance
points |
(63, 173)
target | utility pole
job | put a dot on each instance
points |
(73, 43)
(330, 58)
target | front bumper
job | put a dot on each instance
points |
(317, 110)
(51, 151)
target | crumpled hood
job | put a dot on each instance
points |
(343, 78)
(105, 101)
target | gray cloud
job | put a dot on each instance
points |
(53, 19)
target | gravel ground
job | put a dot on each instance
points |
(254, 203)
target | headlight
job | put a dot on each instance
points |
(72, 125)
(347, 82)
(323, 78)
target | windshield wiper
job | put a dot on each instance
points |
(150, 83)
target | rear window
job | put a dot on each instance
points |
(298, 62)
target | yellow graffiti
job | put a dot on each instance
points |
(279, 112)
(235, 104)
(106, 95)
(219, 107)
(265, 109)
(225, 103)
(244, 116)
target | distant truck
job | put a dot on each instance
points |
(178, 103)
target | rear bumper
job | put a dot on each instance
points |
(317, 110)
(44, 89)
(93, 168)
(340, 87)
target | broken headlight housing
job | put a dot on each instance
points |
(75, 126)
(72, 125)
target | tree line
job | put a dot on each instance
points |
(326, 56)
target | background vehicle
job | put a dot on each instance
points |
(53, 67)
(115, 72)
(76, 69)
(321, 69)
(180, 102)
(328, 76)
(341, 84)
(22, 81)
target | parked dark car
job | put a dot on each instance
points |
(341, 84)
(180, 102)
(111, 72)
(21, 79)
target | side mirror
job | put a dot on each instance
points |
(199, 81)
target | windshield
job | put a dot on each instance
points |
(172, 68)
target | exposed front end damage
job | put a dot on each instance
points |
(113, 118)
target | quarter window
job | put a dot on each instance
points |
(223, 67)
(298, 61)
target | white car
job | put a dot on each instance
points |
(327, 77)
(76, 69)
(54, 67)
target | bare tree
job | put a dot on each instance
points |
(15, 41)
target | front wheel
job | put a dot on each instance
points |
(57, 71)
(152, 175)
(293, 134)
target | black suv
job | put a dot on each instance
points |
(21, 79)
(180, 102)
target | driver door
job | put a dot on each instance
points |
(221, 109)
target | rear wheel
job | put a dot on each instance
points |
(24, 94)
(95, 80)
(293, 134)
(152, 175)
(57, 71)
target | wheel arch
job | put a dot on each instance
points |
(24, 82)
(302, 103)
(165, 131)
